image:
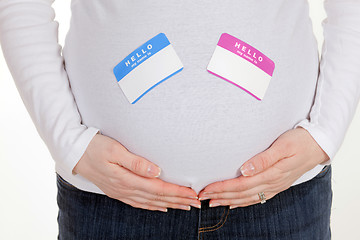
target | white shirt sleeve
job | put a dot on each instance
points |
(29, 40)
(338, 88)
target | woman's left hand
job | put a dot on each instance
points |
(294, 153)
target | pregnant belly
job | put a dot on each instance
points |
(197, 127)
(196, 134)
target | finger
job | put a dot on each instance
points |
(254, 199)
(157, 186)
(176, 200)
(137, 164)
(233, 185)
(239, 184)
(143, 206)
(162, 188)
(263, 160)
(235, 195)
(161, 204)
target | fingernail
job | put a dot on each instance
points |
(195, 205)
(192, 197)
(185, 207)
(214, 204)
(163, 209)
(247, 169)
(154, 171)
(203, 198)
(232, 207)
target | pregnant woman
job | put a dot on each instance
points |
(197, 156)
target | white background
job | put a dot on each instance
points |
(28, 207)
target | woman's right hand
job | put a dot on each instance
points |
(130, 178)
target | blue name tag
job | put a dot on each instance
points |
(146, 67)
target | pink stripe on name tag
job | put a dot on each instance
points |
(247, 52)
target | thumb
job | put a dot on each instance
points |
(140, 166)
(261, 161)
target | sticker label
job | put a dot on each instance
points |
(146, 67)
(242, 65)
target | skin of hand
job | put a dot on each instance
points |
(271, 171)
(130, 178)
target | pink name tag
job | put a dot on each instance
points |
(242, 65)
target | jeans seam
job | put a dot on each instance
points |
(210, 230)
(203, 228)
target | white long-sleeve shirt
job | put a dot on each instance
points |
(198, 128)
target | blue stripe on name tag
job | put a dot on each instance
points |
(156, 85)
(140, 55)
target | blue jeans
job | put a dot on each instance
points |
(300, 212)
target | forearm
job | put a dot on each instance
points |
(28, 35)
(338, 88)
